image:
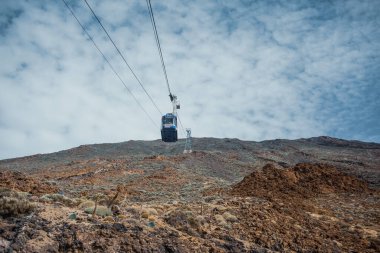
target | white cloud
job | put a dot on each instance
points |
(249, 70)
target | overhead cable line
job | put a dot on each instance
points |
(155, 31)
(121, 55)
(110, 65)
(158, 44)
(180, 123)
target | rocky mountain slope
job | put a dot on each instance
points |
(317, 194)
(359, 158)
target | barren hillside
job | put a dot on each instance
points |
(318, 194)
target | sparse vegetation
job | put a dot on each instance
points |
(55, 197)
(102, 211)
(185, 221)
(220, 220)
(133, 210)
(197, 201)
(86, 204)
(201, 220)
(121, 216)
(108, 219)
(229, 217)
(13, 203)
(119, 189)
(151, 211)
(144, 215)
(146, 212)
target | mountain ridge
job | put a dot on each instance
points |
(320, 140)
(355, 157)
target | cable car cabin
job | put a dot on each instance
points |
(169, 128)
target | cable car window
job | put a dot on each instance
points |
(168, 121)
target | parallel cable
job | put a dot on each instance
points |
(158, 43)
(180, 123)
(150, 9)
(110, 65)
(121, 55)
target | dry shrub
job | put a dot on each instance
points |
(200, 219)
(108, 219)
(12, 203)
(221, 208)
(229, 217)
(24, 194)
(184, 221)
(148, 211)
(102, 211)
(133, 210)
(121, 216)
(220, 220)
(102, 199)
(144, 215)
(58, 198)
(86, 204)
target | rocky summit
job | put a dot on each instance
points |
(308, 195)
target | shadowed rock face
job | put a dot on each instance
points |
(308, 195)
(302, 181)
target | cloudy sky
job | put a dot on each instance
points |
(252, 70)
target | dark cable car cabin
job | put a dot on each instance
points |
(169, 128)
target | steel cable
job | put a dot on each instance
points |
(110, 65)
(122, 56)
(158, 43)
